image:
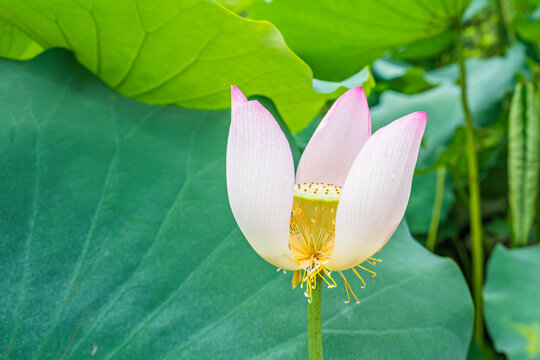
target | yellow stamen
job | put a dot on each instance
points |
(329, 273)
(370, 263)
(312, 230)
(348, 288)
(312, 237)
(369, 271)
(357, 274)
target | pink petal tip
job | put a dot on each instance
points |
(237, 96)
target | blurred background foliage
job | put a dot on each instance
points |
(475, 190)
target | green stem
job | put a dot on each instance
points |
(314, 323)
(504, 13)
(437, 208)
(474, 200)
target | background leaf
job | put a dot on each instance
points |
(338, 38)
(528, 27)
(511, 298)
(117, 242)
(185, 52)
(362, 78)
(490, 81)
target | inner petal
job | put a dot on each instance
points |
(313, 222)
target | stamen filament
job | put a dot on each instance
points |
(348, 288)
(329, 274)
(357, 274)
(369, 271)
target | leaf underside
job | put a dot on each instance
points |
(337, 38)
(186, 52)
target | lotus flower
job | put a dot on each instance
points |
(350, 193)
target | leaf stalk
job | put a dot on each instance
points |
(474, 197)
(437, 209)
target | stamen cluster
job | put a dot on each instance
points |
(312, 236)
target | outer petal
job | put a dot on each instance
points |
(336, 142)
(376, 191)
(260, 180)
(237, 96)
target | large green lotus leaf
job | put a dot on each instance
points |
(511, 296)
(238, 6)
(434, 46)
(15, 44)
(183, 52)
(117, 242)
(337, 38)
(426, 49)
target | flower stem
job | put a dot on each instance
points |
(437, 208)
(314, 323)
(474, 199)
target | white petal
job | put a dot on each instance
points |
(260, 180)
(376, 192)
(337, 140)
